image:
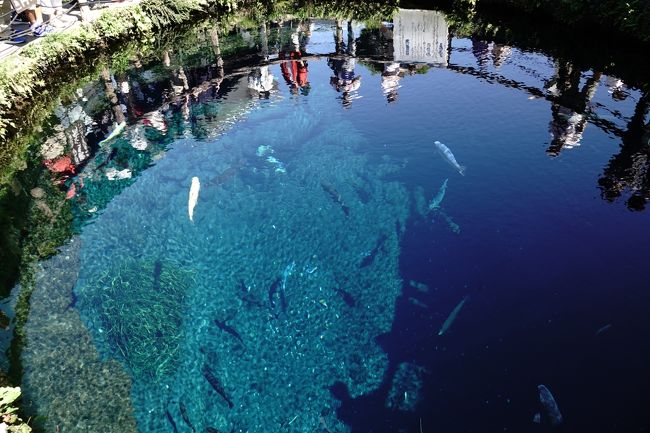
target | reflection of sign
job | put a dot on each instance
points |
(420, 36)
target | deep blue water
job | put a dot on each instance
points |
(312, 244)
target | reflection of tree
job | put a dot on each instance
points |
(569, 108)
(631, 167)
(109, 88)
(481, 49)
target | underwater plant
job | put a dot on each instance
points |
(140, 305)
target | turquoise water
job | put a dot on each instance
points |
(337, 272)
(246, 231)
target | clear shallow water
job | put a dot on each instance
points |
(309, 291)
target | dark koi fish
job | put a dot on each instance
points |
(229, 329)
(336, 196)
(371, 256)
(216, 385)
(171, 421)
(272, 291)
(247, 297)
(157, 271)
(347, 297)
(186, 418)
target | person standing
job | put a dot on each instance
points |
(7, 34)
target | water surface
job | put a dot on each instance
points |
(330, 241)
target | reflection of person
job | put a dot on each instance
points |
(499, 54)
(566, 129)
(295, 70)
(569, 107)
(390, 78)
(616, 88)
(295, 75)
(344, 79)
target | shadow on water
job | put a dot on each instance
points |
(484, 374)
(630, 168)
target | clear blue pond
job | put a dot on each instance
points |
(336, 272)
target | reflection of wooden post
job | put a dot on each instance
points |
(352, 43)
(85, 10)
(264, 41)
(338, 37)
(216, 49)
(167, 61)
(112, 97)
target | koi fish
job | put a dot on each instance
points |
(347, 297)
(449, 157)
(116, 131)
(216, 385)
(336, 196)
(247, 297)
(229, 329)
(603, 329)
(370, 257)
(273, 290)
(452, 316)
(171, 421)
(194, 196)
(550, 405)
(184, 415)
(157, 271)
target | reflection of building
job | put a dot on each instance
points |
(420, 36)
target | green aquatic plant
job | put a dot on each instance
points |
(140, 305)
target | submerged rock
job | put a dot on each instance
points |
(63, 375)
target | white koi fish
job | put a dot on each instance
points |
(194, 196)
(452, 316)
(550, 406)
(449, 157)
(116, 131)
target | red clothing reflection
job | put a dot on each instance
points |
(294, 71)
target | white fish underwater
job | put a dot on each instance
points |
(551, 409)
(116, 131)
(194, 196)
(449, 157)
(452, 316)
